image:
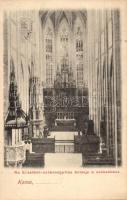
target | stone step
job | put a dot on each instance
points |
(63, 160)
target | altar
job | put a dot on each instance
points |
(65, 104)
(65, 119)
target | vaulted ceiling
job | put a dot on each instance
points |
(58, 15)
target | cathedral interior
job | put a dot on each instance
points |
(62, 86)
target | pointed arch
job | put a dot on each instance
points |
(49, 50)
(79, 47)
(48, 25)
(60, 16)
(63, 26)
(63, 41)
(49, 35)
(63, 34)
(78, 24)
(79, 19)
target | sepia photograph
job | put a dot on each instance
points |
(62, 88)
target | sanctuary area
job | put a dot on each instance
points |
(62, 88)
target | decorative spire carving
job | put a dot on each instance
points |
(16, 116)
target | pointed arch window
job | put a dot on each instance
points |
(63, 41)
(78, 31)
(80, 74)
(64, 34)
(79, 39)
(49, 41)
(79, 45)
(49, 51)
(49, 78)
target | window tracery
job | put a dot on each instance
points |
(49, 39)
(79, 51)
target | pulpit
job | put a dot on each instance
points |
(15, 122)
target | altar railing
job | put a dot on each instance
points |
(62, 148)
